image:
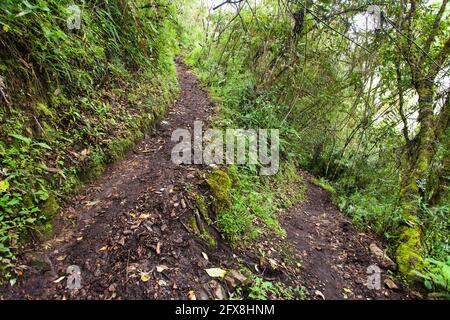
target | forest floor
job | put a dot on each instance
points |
(129, 235)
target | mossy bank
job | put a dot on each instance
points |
(72, 101)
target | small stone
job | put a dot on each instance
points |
(416, 295)
(381, 256)
(391, 284)
(39, 261)
(234, 279)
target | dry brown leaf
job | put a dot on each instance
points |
(191, 295)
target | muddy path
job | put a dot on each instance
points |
(335, 256)
(128, 232)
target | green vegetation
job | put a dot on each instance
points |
(260, 289)
(366, 111)
(72, 101)
(255, 203)
(243, 205)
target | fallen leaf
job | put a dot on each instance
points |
(273, 263)
(205, 256)
(162, 283)
(145, 277)
(162, 268)
(103, 249)
(59, 279)
(191, 295)
(216, 272)
(19, 273)
(319, 294)
(61, 258)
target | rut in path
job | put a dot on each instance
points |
(127, 232)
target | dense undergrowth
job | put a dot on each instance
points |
(256, 201)
(319, 93)
(72, 101)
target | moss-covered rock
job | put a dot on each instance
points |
(220, 183)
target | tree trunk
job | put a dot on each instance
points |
(418, 157)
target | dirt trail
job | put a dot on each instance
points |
(335, 256)
(128, 235)
(129, 224)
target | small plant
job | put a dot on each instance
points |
(256, 201)
(267, 290)
(324, 184)
(436, 277)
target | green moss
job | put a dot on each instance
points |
(409, 251)
(202, 207)
(44, 232)
(212, 242)
(408, 193)
(202, 232)
(194, 225)
(220, 183)
(50, 207)
(44, 110)
(94, 168)
(118, 148)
